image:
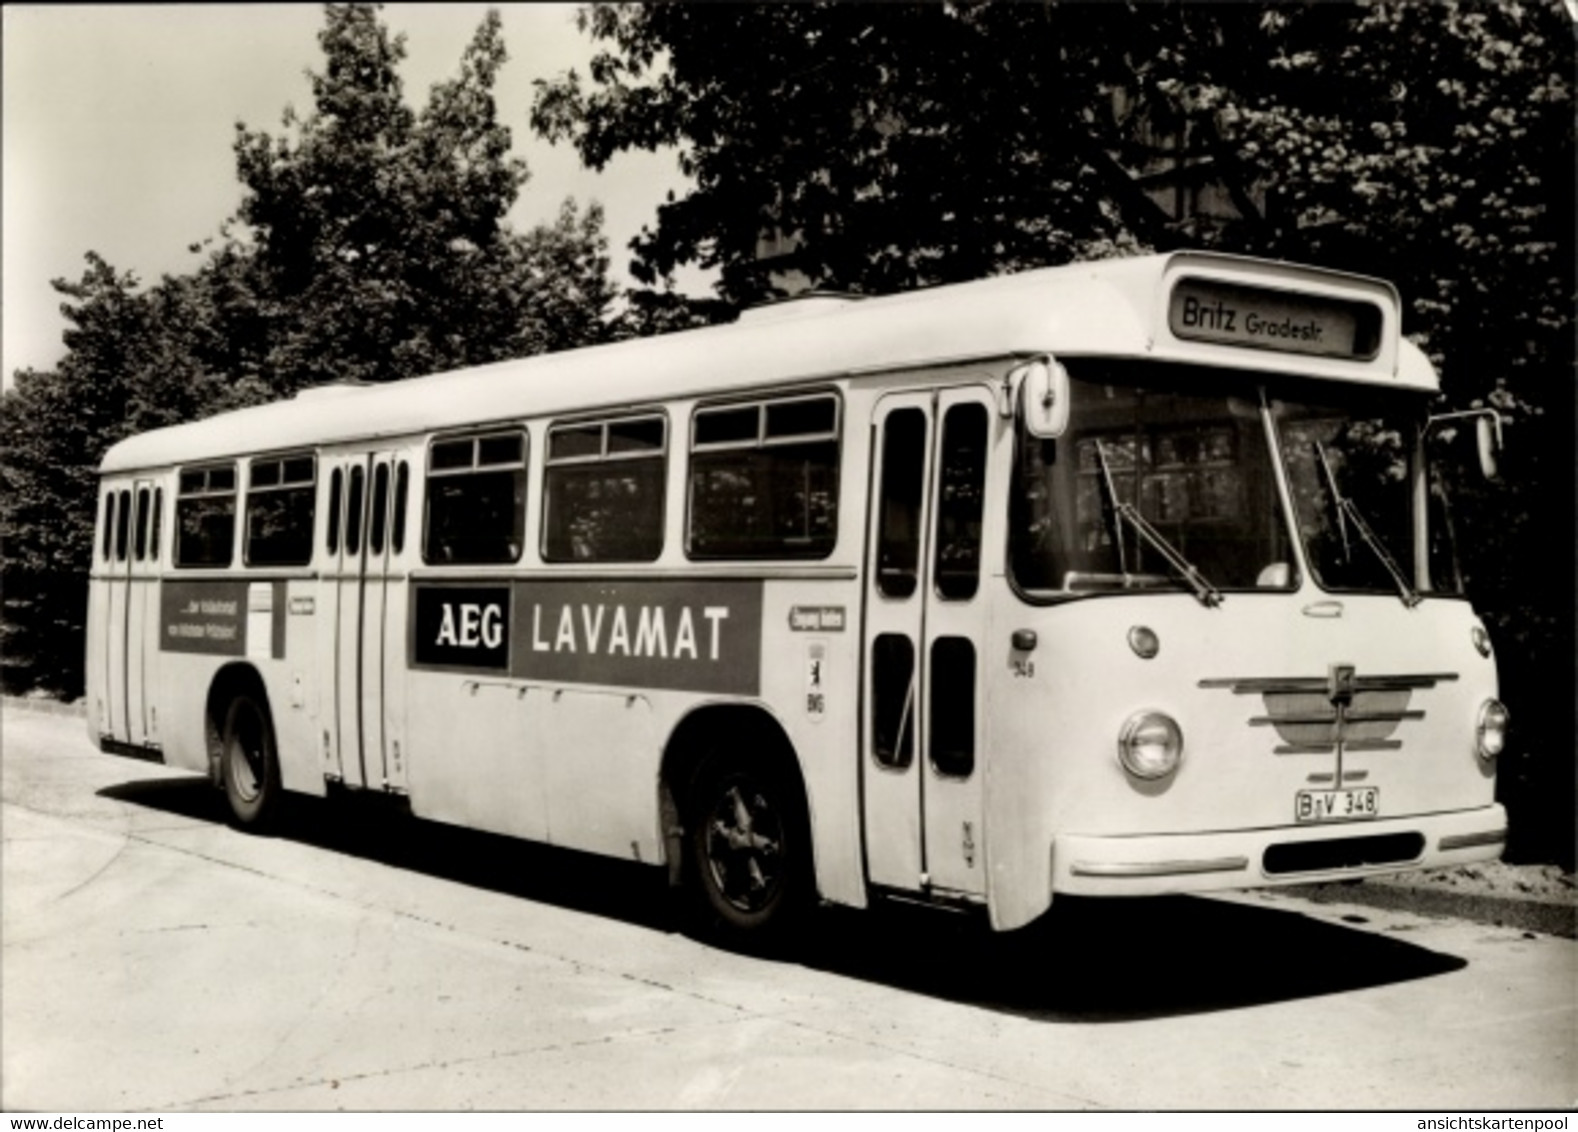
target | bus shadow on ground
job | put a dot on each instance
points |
(1087, 961)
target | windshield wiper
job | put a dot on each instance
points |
(1208, 594)
(1349, 511)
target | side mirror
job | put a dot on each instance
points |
(1487, 434)
(1042, 397)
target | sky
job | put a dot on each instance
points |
(119, 122)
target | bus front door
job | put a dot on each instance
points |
(924, 617)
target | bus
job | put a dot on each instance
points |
(1118, 578)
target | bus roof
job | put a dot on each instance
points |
(1174, 307)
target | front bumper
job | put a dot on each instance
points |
(1084, 865)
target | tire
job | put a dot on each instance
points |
(249, 763)
(748, 852)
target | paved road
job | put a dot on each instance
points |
(156, 959)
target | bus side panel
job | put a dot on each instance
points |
(811, 678)
(473, 759)
(95, 660)
(181, 701)
(601, 750)
(1020, 699)
(289, 669)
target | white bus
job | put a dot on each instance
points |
(1119, 578)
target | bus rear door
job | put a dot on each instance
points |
(363, 618)
(924, 618)
(142, 612)
(130, 612)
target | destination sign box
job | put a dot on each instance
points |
(1262, 318)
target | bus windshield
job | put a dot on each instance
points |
(1351, 464)
(1164, 481)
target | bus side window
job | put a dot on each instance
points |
(893, 699)
(158, 514)
(140, 549)
(353, 513)
(952, 730)
(962, 481)
(109, 525)
(764, 479)
(899, 533)
(205, 516)
(603, 491)
(380, 511)
(282, 496)
(123, 526)
(402, 496)
(476, 500)
(336, 487)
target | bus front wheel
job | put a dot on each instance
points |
(249, 763)
(749, 853)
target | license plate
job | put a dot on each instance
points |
(1337, 805)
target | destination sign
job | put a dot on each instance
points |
(1289, 321)
(683, 636)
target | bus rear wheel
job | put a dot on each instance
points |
(249, 763)
(748, 853)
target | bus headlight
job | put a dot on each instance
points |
(1492, 729)
(1150, 745)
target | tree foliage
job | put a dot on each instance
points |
(381, 244)
(371, 244)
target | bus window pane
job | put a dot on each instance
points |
(580, 443)
(122, 526)
(265, 473)
(221, 479)
(109, 524)
(728, 426)
(375, 535)
(279, 526)
(402, 494)
(336, 488)
(893, 699)
(205, 530)
(353, 513)
(952, 714)
(158, 513)
(140, 549)
(903, 475)
(193, 482)
(452, 454)
(604, 512)
(495, 450)
(779, 502)
(959, 503)
(642, 435)
(818, 417)
(476, 518)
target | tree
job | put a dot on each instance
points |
(382, 249)
(370, 245)
(137, 359)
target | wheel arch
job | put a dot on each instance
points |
(235, 678)
(750, 727)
